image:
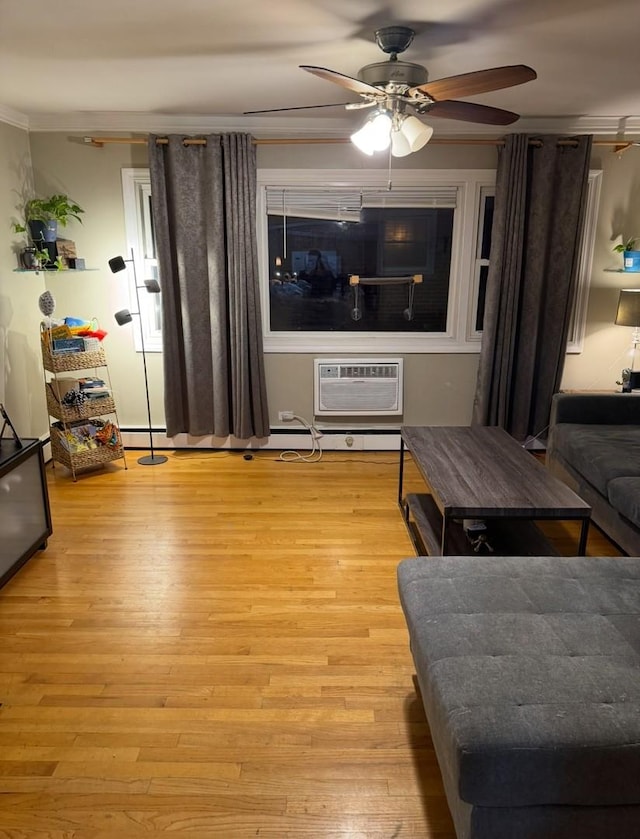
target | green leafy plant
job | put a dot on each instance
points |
(56, 207)
(43, 258)
(629, 245)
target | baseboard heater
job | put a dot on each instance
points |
(350, 387)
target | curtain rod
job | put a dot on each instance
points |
(619, 146)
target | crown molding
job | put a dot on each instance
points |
(147, 123)
(287, 126)
(15, 118)
(610, 126)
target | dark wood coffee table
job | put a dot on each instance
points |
(482, 473)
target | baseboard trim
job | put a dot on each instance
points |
(334, 440)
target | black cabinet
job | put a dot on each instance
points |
(25, 517)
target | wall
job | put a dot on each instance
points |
(91, 177)
(438, 388)
(21, 382)
(607, 348)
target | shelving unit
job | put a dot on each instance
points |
(68, 417)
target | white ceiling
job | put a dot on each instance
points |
(118, 61)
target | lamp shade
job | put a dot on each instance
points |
(116, 264)
(416, 133)
(374, 134)
(399, 144)
(628, 313)
(123, 316)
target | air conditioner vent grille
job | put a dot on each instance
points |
(358, 387)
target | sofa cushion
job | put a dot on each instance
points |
(530, 673)
(624, 495)
(600, 452)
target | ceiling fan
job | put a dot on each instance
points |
(392, 87)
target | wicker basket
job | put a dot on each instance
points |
(65, 362)
(70, 413)
(81, 460)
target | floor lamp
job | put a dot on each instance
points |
(118, 263)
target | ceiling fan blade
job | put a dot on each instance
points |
(480, 81)
(344, 81)
(471, 112)
(297, 108)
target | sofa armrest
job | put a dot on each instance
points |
(596, 408)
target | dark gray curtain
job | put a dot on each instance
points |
(204, 212)
(539, 208)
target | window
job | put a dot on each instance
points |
(578, 320)
(344, 260)
(136, 191)
(331, 224)
(578, 316)
(313, 260)
(483, 249)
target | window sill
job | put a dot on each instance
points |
(323, 342)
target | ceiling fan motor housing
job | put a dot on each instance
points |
(394, 39)
(398, 72)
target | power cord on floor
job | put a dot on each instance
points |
(314, 455)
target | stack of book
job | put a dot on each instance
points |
(93, 388)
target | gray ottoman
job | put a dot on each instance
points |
(529, 669)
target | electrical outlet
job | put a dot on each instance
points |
(285, 416)
(346, 442)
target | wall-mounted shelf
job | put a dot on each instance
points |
(51, 270)
(620, 271)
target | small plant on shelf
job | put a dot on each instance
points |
(630, 254)
(629, 245)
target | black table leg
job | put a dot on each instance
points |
(401, 472)
(584, 531)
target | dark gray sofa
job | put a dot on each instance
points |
(594, 447)
(529, 671)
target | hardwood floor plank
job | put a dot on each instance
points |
(216, 646)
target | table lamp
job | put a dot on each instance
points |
(628, 314)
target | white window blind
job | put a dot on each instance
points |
(345, 203)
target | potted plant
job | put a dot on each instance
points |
(631, 256)
(42, 217)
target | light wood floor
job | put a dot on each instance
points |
(215, 646)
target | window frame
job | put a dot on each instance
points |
(578, 317)
(136, 189)
(578, 321)
(467, 182)
(475, 335)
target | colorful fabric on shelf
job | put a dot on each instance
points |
(74, 398)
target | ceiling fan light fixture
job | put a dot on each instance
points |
(399, 144)
(380, 130)
(362, 140)
(375, 134)
(416, 133)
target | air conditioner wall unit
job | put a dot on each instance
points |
(349, 387)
